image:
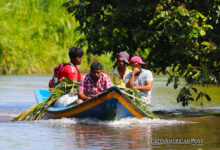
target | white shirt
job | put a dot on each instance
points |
(140, 80)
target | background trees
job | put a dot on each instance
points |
(178, 38)
(35, 36)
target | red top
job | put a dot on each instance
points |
(70, 71)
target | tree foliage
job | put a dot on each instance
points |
(178, 38)
(36, 35)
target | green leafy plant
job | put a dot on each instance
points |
(35, 36)
(37, 112)
(178, 35)
(134, 95)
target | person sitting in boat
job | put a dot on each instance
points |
(93, 83)
(121, 70)
(140, 79)
(69, 70)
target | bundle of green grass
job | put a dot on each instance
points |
(69, 86)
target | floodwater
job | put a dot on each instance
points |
(192, 127)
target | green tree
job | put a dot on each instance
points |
(36, 35)
(178, 38)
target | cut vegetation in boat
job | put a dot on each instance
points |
(115, 103)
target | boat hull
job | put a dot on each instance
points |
(109, 105)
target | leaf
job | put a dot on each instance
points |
(178, 99)
(175, 85)
(67, 4)
(201, 15)
(207, 97)
(191, 98)
(169, 80)
(208, 26)
(176, 79)
(202, 32)
(205, 43)
(70, 9)
(196, 75)
(194, 89)
(199, 95)
(184, 103)
(151, 22)
(187, 91)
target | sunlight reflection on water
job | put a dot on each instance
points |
(130, 133)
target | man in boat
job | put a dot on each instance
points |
(69, 70)
(119, 73)
(140, 79)
(93, 84)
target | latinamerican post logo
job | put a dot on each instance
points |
(192, 141)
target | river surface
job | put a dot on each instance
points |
(192, 127)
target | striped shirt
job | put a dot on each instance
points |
(140, 80)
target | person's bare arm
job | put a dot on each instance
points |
(83, 96)
(130, 83)
(146, 87)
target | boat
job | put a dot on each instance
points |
(110, 105)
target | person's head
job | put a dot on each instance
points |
(122, 60)
(137, 62)
(75, 55)
(95, 70)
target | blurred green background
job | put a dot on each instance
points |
(36, 35)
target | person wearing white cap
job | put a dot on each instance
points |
(140, 79)
(118, 74)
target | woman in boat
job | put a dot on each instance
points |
(140, 79)
(93, 83)
(121, 70)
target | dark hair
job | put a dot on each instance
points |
(96, 66)
(75, 52)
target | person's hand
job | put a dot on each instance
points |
(96, 94)
(135, 71)
(88, 97)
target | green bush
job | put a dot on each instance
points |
(35, 36)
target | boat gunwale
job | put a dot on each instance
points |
(113, 90)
